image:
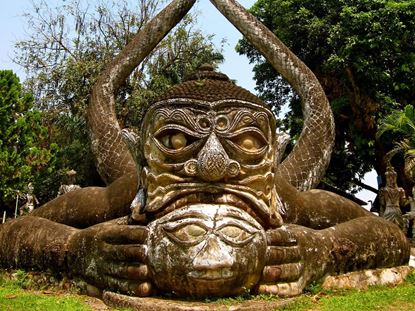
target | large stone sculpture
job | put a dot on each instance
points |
(213, 211)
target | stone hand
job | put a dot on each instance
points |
(283, 271)
(111, 256)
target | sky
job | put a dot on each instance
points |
(13, 28)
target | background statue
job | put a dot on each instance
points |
(31, 201)
(70, 183)
(410, 216)
(391, 197)
(214, 212)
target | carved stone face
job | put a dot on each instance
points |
(210, 152)
(206, 249)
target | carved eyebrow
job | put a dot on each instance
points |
(177, 127)
(187, 215)
(183, 116)
(232, 215)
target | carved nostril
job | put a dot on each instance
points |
(213, 160)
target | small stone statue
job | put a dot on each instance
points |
(391, 198)
(410, 216)
(70, 186)
(31, 201)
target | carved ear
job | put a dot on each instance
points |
(133, 142)
(282, 141)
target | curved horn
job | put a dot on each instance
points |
(306, 164)
(113, 157)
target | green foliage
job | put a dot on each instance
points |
(362, 52)
(402, 124)
(25, 152)
(22, 279)
(399, 127)
(69, 45)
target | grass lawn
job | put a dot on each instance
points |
(401, 297)
(17, 294)
(14, 298)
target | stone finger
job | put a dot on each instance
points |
(128, 272)
(281, 237)
(131, 287)
(277, 255)
(282, 290)
(136, 253)
(282, 273)
(125, 234)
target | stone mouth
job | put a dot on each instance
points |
(229, 199)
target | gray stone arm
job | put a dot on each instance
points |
(323, 209)
(34, 242)
(317, 209)
(297, 255)
(92, 205)
(107, 255)
(367, 243)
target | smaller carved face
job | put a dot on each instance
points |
(203, 250)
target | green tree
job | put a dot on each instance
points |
(362, 52)
(69, 45)
(400, 125)
(24, 151)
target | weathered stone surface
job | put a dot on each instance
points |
(162, 304)
(364, 279)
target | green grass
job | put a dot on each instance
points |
(401, 297)
(14, 297)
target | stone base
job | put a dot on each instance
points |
(358, 279)
(160, 304)
(364, 279)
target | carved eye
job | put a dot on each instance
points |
(177, 141)
(189, 234)
(174, 139)
(235, 235)
(250, 141)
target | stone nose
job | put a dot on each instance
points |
(214, 255)
(213, 162)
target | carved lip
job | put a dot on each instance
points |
(212, 275)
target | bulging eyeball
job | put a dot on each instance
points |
(178, 141)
